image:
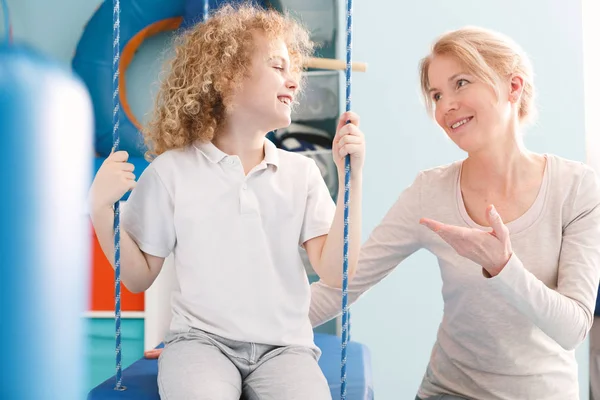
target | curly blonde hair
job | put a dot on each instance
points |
(491, 57)
(211, 59)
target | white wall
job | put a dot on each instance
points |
(398, 319)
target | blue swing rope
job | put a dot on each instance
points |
(204, 10)
(345, 311)
(117, 224)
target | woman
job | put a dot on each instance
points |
(517, 234)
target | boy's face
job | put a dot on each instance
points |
(266, 96)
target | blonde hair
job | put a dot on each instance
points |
(211, 59)
(489, 56)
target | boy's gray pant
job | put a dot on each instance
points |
(198, 365)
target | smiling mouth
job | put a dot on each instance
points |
(285, 100)
(460, 123)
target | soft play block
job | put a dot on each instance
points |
(140, 377)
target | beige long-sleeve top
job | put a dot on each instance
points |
(511, 336)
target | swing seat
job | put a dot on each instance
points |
(140, 377)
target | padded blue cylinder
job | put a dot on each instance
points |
(46, 163)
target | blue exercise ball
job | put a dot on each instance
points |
(45, 171)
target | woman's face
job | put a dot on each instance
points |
(466, 108)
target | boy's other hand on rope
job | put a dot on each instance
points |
(349, 139)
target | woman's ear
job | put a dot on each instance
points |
(516, 88)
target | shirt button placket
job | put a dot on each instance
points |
(244, 200)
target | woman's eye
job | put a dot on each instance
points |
(461, 82)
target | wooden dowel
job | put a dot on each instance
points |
(334, 64)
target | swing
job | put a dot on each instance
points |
(355, 381)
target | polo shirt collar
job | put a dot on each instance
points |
(216, 155)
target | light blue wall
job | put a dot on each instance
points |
(399, 318)
(53, 27)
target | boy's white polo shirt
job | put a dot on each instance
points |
(235, 238)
